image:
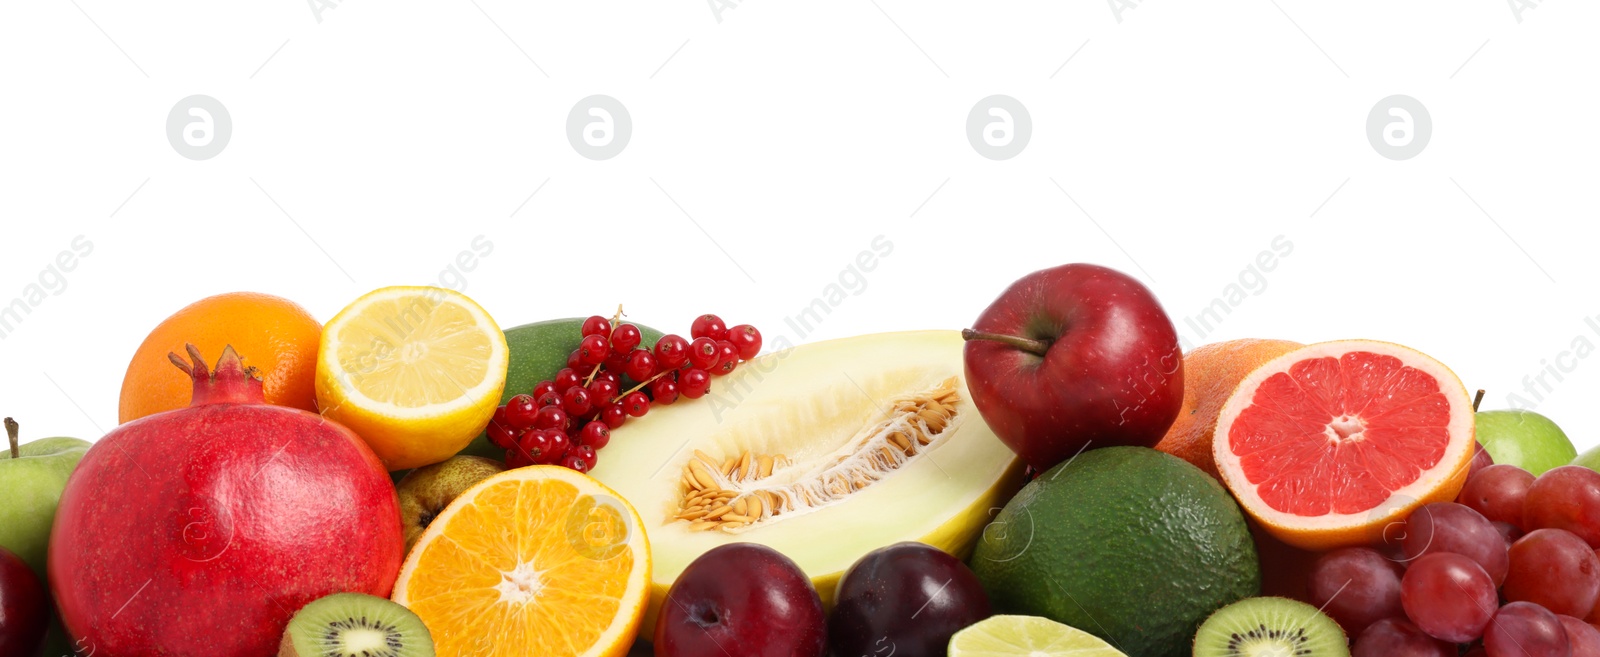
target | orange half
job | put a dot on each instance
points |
(535, 561)
(1331, 444)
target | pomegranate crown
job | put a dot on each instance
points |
(229, 383)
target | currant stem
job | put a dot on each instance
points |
(645, 382)
(1477, 399)
(615, 320)
(1035, 347)
(11, 434)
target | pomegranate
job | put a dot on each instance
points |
(200, 531)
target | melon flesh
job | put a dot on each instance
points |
(814, 404)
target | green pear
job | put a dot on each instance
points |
(1524, 439)
(426, 491)
(33, 476)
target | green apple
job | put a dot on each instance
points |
(1589, 459)
(426, 491)
(34, 475)
(1524, 439)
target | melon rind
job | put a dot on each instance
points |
(803, 402)
(1331, 531)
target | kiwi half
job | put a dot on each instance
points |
(355, 625)
(1257, 627)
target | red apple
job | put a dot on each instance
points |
(200, 531)
(741, 599)
(24, 608)
(1071, 357)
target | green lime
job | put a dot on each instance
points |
(1027, 636)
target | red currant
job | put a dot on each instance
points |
(575, 463)
(551, 398)
(520, 411)
(636, 404)
(596, 325)
(601, 392)
(559, 446)
(575, 401)
(534, 445)
(551, 417)
(615, 361)
(503, 435)
(703, 353)
(516, 458)
(593, 350)
(610, 375)
(672, 351)
(708, 326)
(694, 383)
(595, 434)
(664, 391)
(747, 339)
(727, 358)
(584, 452)
(543, 387)
(575, 360)
(640, 365)
(625, 337)
(567, 378)
(613, 415)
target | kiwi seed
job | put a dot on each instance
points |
(355, 625)
(1270, 626)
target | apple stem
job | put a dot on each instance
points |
(1477, 399)
(1035, 347)
(11, 434)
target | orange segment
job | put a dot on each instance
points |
(1328, 445)
(535, 561)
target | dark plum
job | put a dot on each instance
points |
(909, 595)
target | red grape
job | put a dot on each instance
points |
(1481, 458)
(1397, 637)
(703, 353)
(639, 365)
(694, 383)
(1556, 570)
(672, 351)
(1524, 629)
(1508, 531)
(708, 326)
(520, 411)
(1448, 596)
(595, 434)
(625, 337)
(1583, 637)
(1567, 498)
(1451, 527)
(1357, 587)
(1497, 492)
(747, 339)
(596, 325)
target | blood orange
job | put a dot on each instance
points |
(1328, 445)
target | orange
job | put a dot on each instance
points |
(539, 560)
(1210, 373)
(272, 334)
(1329, 445)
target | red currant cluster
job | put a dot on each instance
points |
(564, 421)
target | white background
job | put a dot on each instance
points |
(1171, 140)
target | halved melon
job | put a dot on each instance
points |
(824, 452)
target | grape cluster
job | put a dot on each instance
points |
(565, 421)
(1508, 569)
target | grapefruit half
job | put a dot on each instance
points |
(1330, 444)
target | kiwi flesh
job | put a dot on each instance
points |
(355, 625)
(1259, 627)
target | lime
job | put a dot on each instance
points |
(1027, 636)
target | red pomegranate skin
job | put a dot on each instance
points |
(201, 531)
